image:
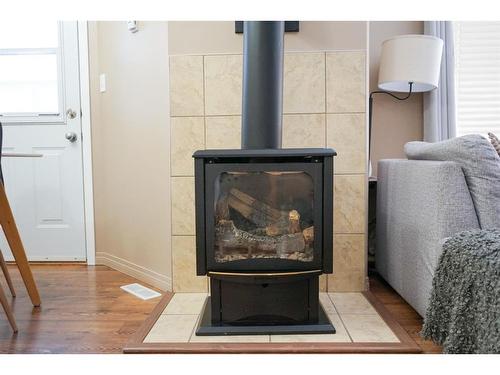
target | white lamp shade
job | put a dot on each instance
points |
(410, 58)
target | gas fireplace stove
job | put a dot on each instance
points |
(264, 215)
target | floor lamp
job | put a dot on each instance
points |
(408, 64)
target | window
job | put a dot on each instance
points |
(29, 69)
(477, 76)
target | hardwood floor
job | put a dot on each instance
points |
(404, 314)
(85, 311)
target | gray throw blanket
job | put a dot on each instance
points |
(464, 310)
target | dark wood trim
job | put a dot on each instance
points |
(268, 348)
(406, 345)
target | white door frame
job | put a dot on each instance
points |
(88, 189)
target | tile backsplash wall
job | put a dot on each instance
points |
(324, 106)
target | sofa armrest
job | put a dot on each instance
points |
(419, 203)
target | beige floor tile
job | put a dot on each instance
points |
(351, 303)
(186, 303)
(341, 334)
(358, 322)
(327, 304)
(172, 328)
(236, 339)
(368, 328)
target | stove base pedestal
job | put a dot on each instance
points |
(277, 303)
(207, 328)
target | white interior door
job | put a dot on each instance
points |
(40, 113)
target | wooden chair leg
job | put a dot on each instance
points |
(16, 246)
(5, 270)
(8, 311)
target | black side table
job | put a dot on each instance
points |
(372, 220)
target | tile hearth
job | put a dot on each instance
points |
(353, 316)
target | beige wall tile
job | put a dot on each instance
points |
(304, 131)
(345, 82)
(349, 252)
(346, 133)
(183, 217)
(349, 204)
(307, 77)
(304, 83)
(349, 263)
(186, 86)
(223, 132)
(187, 136)
(223, 84)
(323, 287)
(347, 281)
(184, 266)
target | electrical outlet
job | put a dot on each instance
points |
(132, 26)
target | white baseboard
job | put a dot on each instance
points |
(141, 273)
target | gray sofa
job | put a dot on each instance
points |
(419, 204)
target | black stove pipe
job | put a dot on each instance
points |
(262, 84)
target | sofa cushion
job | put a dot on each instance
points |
(481, 166)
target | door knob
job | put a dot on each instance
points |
(70, 114)
(71, 136)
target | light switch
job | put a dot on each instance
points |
(102, 82)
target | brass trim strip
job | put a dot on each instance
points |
(263, 274)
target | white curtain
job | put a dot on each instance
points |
(439, 104)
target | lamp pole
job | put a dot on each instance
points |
(370, 111)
